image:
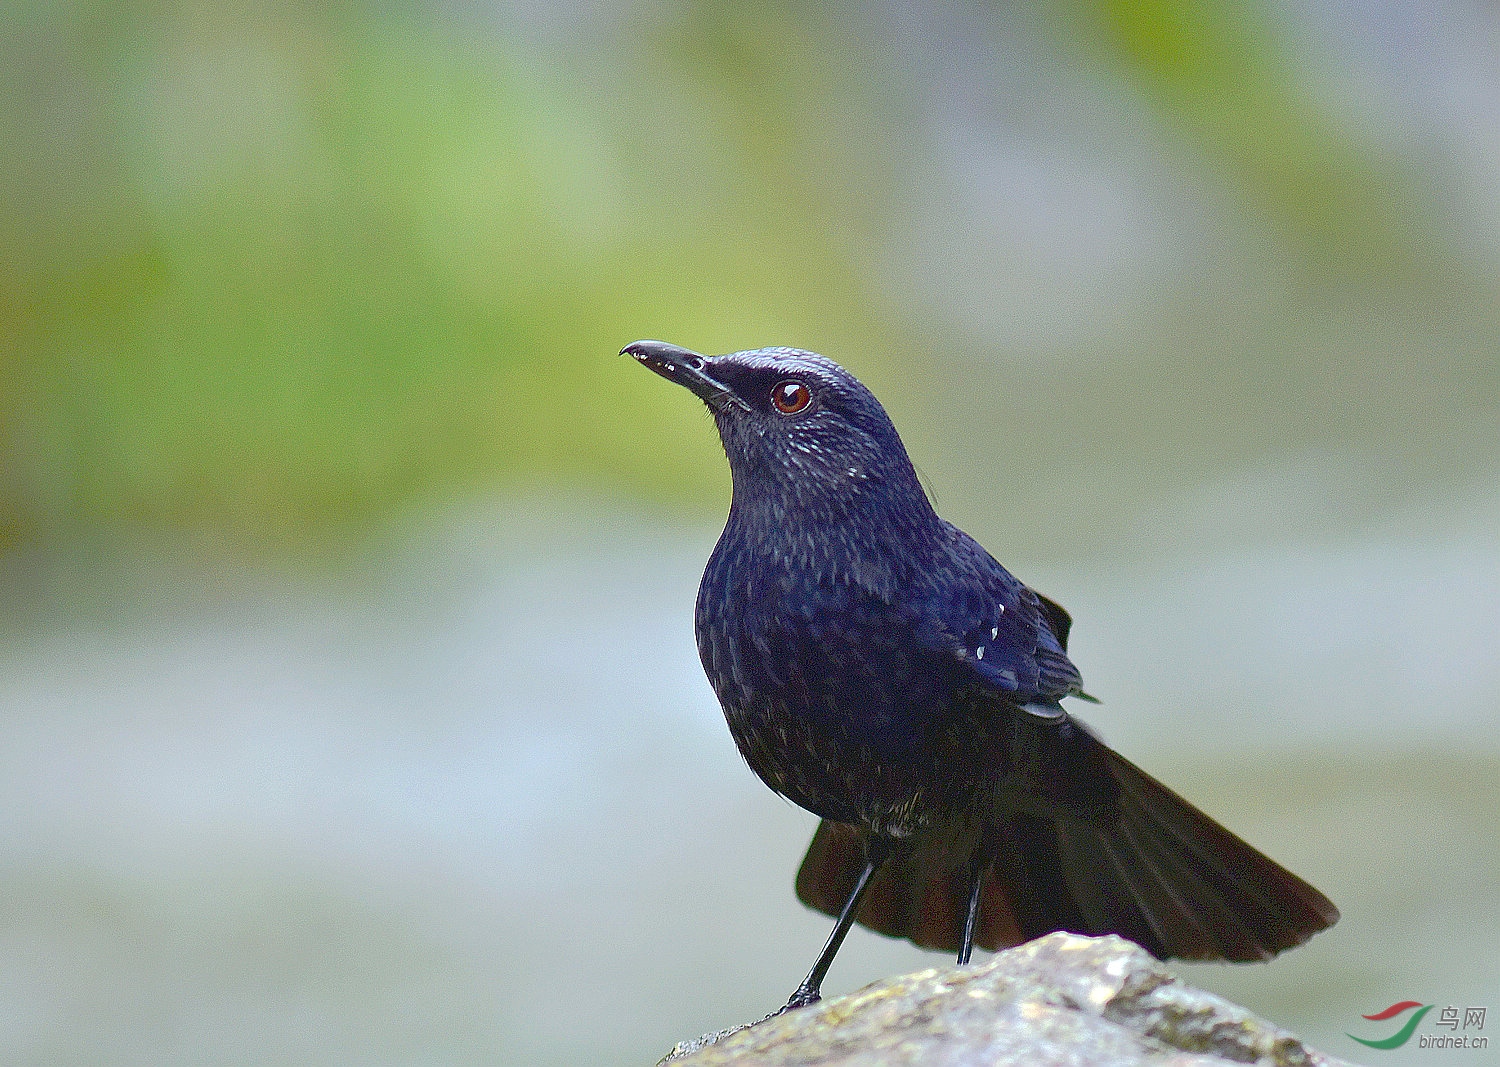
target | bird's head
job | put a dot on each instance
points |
(804, 437)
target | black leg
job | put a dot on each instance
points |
(809, 992)
(971, 918)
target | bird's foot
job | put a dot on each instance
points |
(803, 996)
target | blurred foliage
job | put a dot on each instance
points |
(269, 271)
(1222, 75)
(272, 272)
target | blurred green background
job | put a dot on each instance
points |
(347, 692)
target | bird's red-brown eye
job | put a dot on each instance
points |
(791, 397)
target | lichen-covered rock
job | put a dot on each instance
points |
(1061, 999)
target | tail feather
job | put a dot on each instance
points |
(1153, 869)
(1223, 928)
(1162, 914)
(1029, 861)
(1182, 922)
(1125, 902)
(1272, 907)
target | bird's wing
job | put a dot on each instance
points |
(1008, 638)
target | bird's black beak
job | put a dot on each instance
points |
(684, 367)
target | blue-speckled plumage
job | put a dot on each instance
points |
(878, 667)
(840, 619)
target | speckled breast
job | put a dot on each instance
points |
(832, 707)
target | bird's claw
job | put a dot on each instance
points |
(800, 999)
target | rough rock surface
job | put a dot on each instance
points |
(1061, 999)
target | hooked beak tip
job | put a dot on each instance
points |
(672, 362)
(658, 350)
(684, 367)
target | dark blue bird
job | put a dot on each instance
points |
(881, 669)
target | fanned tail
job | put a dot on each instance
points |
(1149, 866)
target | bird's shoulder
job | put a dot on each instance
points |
(1007, 636)
(951, 602)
